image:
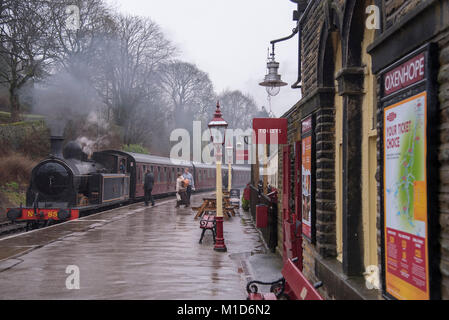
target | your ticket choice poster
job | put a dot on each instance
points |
(405, 199)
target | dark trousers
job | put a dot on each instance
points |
(189, 193)
(149, 196)
(183, 200)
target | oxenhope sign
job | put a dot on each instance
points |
(408, 73)
(270, 130)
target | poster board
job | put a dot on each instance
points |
(408, 176)
(307, 179)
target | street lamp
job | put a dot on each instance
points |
(217, 128)
(272, 81)
(229, 149)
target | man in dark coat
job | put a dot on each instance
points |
(148, 187)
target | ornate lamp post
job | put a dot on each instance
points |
(217, 128)
(229, 158)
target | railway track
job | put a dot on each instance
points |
(7, 228)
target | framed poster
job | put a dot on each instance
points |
(307, 181)
(405, 198)
(409, 168)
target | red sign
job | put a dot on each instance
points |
(405, 75)
(270, 130)
(307, 125)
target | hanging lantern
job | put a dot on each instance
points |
(272, 81)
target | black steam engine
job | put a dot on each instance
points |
(67, 184)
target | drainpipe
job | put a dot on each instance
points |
(303, 9)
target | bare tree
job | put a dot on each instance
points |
(188, 90)
(26, 45)
(81, 27)
(240, 108)
(129, 60)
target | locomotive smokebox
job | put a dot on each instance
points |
(56, 146)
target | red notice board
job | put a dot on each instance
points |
(267, 129)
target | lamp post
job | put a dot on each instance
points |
(229, 158)
(217, 128)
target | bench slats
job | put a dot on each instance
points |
(296, 281)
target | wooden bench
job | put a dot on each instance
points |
(293, 286)
(208, 222)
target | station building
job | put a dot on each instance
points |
(364, 179)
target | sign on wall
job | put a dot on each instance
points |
(306, 177)
(270, 130)
(406, 106)
(405, 197)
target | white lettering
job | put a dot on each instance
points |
(73, 280)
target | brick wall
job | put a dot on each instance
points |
(310, 45)
(443, 80)
(396, 9)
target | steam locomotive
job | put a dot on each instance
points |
(68, 185)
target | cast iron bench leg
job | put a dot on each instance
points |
(202, 235)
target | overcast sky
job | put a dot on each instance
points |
(228, 39)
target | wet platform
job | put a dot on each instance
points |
(135, 252)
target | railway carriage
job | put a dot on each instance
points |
(204, 176)
(68, 185)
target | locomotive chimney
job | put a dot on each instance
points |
(56, 146)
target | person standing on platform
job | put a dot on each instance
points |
(181, 194)
(148, 187)
(191, 186)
